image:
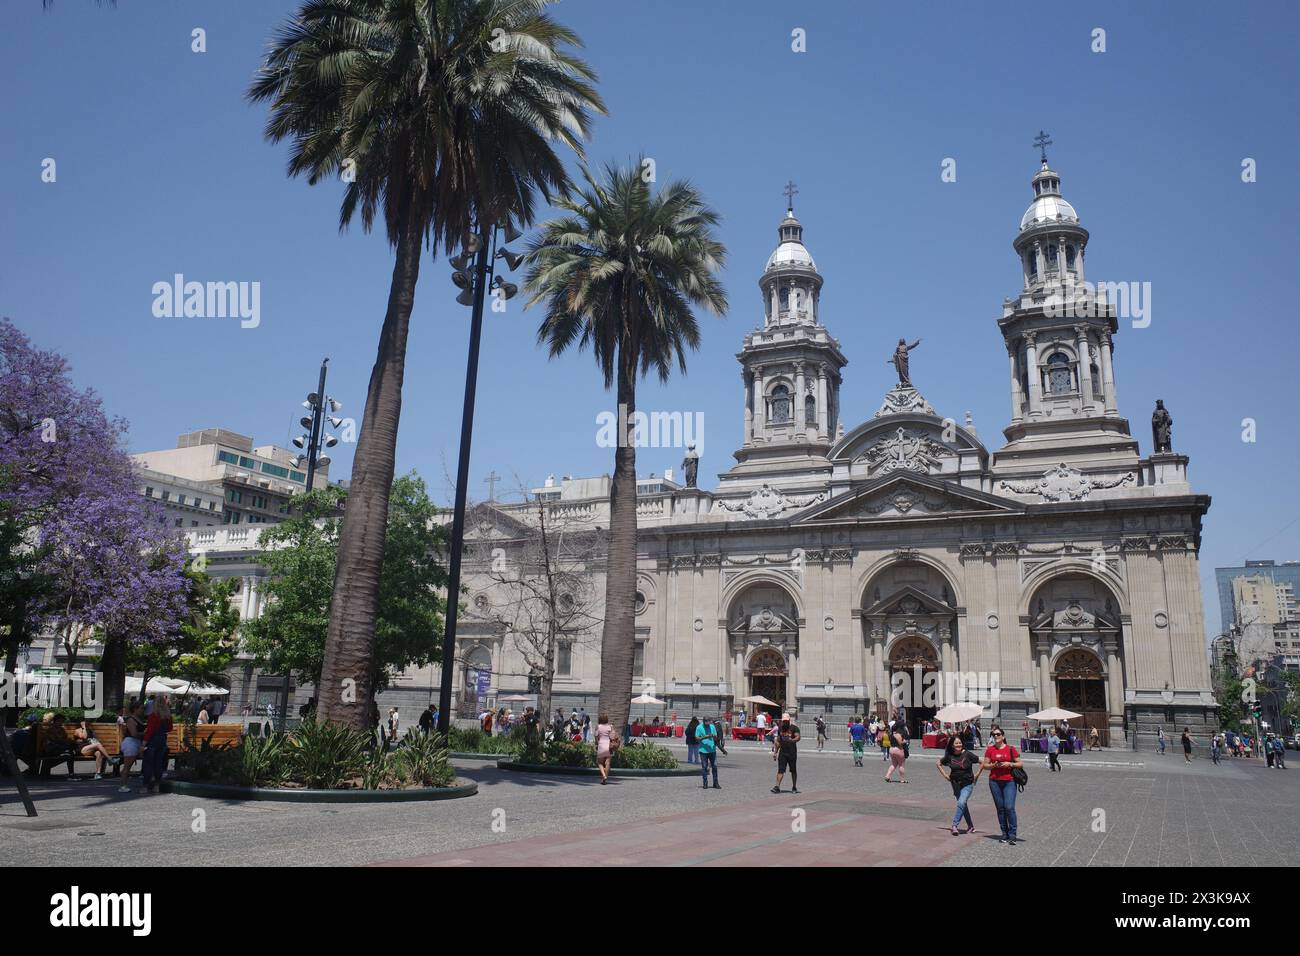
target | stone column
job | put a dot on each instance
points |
(1060, 259)
(822, 427)
(749, 405)
(759, 398)
(245, 598)
(1078, 262)
(1031, 367)
(1044, 672)
(1115, 691)
(797, 411)
(1108, 375)
(1017, 396)
(1085, 373)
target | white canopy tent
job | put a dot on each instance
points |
(179, 688)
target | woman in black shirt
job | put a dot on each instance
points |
(961, 768)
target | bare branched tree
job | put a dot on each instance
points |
(544, 574)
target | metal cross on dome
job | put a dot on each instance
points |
(1042, 141)
(790, 192)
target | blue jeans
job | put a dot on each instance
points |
(154, 760)
(709, 759)
(1004, 798)
(692, 753)
(961, 806)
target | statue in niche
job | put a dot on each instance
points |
(901, 361)
(1162, 427)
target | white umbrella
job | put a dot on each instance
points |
(646, 699)
(760, 699)
(1054, 713)
(514, 698)
(954, 713)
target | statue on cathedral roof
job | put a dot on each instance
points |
(1162, 427)
(900, 361)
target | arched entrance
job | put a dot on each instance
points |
(912, 696)
(1081, 687)
(1077, 637)
(766, 674)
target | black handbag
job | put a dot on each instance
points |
(1020, 777)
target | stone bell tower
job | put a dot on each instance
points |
(791, 369)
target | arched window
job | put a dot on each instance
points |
(1060, 380)
(810, 411)
(780, 404)
(1069, 255)
(1096, 379)
(1031, 263)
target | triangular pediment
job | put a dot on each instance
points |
(486, 522)
(909, 600)
(907, 496)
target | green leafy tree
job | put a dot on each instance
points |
(301, 555)
(619, 273)
(441, 116)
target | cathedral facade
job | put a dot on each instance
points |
(836, 562)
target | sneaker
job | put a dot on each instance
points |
(970, 830)
(716, 787)
(1011, 841)
(99, 776)
(123, 789)
(954, 831)
(776, 789)
(794, 789)
(1003, 838)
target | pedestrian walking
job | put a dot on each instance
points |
(1268, 750)
(692, 745)
(1000, 759)
(883, 740)
(961, 768)
(1094, 739)
(821, 733)
(606, 743)
(1279, 753)
(1160, 739)
(897, 757)
(1053, 750)
(706, 737)
(1187, 745)
(857, 739)
(785, 748)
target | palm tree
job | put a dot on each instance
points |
(443, 116)
(619, 273)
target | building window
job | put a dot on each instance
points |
(1096, 380)
(212, 506)
(180, 499)
(167, 496)
(780, 404)
(178, 522)
(810, 411)
(1060, 380)
(275, 470)
(247, 462)
(228, 458)
(297, 476)
(236, 496)
(564, 659)
(148, 491)
(638, 659)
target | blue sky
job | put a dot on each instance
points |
(162, 169)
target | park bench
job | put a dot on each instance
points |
(180, 739)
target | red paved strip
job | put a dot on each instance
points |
(753, 834)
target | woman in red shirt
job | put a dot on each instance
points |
(155, 746)
(1000, 758)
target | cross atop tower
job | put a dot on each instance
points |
(491, 481)
(790, 192)
(1042, 141)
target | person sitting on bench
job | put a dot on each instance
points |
(55, 745)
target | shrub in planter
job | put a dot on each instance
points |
(423, 757)
(263, 761)
(473, 740)
(326, 756)
(208, 762)
(644, 756)
(564, 753)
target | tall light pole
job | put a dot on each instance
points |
(312, 441)
(473, 288)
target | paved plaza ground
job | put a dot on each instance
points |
(1114, 808)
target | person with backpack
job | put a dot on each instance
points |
(155, 746)
(692, 745)
(706, 739)
(821, 733)
(1001, 760)
(786, 753)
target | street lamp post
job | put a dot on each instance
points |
(473, 292)
(312, 442)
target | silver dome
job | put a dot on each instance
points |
(1048, 209)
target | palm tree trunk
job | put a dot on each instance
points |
(617, 636)
(345, 687)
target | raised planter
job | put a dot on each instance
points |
(515, 767)
(467, 755)
(222, 791)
